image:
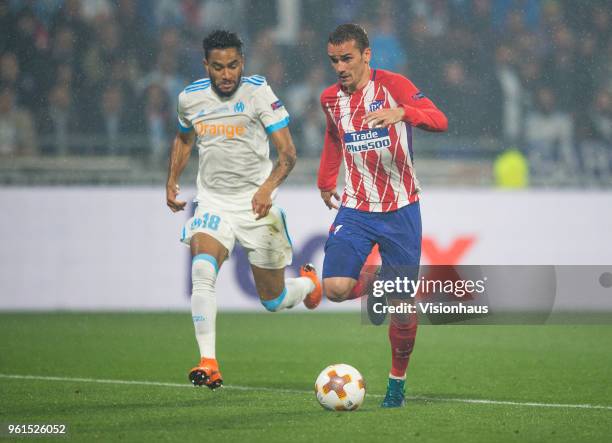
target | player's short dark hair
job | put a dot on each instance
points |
(348, 32)
(221, 39)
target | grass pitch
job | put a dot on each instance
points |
(467, 383)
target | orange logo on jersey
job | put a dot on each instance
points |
(230, 131)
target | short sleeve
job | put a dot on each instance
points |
(270, 110)
(184, 125)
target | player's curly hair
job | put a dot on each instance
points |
(221, 39)
(348, 32)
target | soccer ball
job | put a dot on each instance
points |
(340, 387)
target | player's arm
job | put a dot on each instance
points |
(421, 112)
(179, 157)
(329, 166)
(413, 108)
(282, 141)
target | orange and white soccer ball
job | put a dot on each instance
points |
(340, 387)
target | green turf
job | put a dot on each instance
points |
(544, 364)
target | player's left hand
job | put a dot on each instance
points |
(384, 117)
(262, 202)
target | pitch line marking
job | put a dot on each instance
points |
(297, 391)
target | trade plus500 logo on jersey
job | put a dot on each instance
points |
(367, 140)
(229, 131)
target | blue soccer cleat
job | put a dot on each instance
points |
(395, 397)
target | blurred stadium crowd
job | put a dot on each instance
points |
(101, 77)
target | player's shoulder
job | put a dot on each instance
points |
(254, 84)
(194, 91)
(199, 85)
(256, 81)
(391, 79)
(329, 93)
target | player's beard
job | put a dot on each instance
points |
(229, 93)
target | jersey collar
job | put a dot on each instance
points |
(372, 77)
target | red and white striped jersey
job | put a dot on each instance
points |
(378, 161)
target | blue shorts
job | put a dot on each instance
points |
(354, 234)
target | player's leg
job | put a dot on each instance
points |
(211, 240)
(207, 255)
(400, 249)
(402, 336)
(269, 250)
(277, 293)
(339, 289)
(349, 243)
(368, 274)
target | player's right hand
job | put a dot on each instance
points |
(172, 190)
(327, 198)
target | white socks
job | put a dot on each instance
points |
(395, 377)
(204, 271)
(204, 302)
(296, 290)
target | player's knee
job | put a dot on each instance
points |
(274, 305)
(336, 291)
(203, 272)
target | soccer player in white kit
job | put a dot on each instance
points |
(231, 118)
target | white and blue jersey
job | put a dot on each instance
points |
(232, 138)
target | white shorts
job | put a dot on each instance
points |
(266, 240)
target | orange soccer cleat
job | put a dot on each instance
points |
(206, 374)
(313, 299)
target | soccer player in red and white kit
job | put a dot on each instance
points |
(370, 115)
